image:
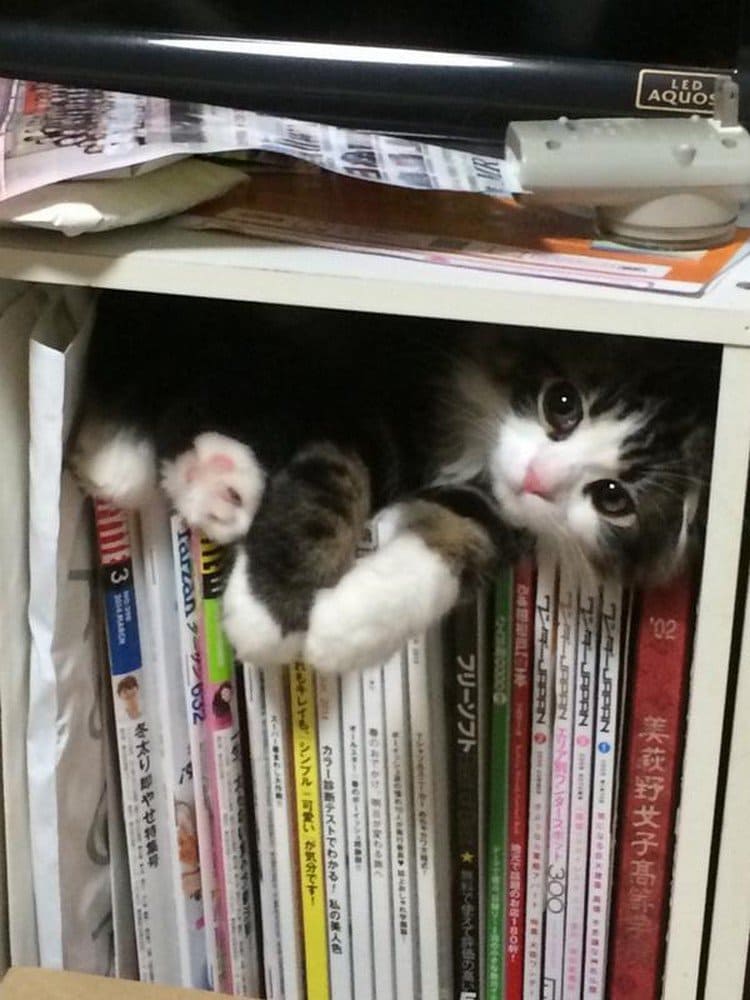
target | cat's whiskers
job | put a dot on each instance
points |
(663, 472)
(565, 547)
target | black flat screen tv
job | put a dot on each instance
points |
(452, 69)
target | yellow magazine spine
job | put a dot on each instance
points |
(309, 830)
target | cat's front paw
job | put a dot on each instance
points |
(216, 486)
(114, 464)
(388, 596)
(253, 632)
(341, 637)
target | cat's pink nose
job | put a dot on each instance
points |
(533, 482)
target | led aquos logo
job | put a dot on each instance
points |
(688, 93)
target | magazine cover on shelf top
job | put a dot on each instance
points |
(444, 227)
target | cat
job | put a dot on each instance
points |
(280, 432)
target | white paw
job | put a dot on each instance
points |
(396, 592)
(216, 486)
(254, 634)
(114, 465)
(336, 644)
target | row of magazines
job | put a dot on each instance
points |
(489, 815)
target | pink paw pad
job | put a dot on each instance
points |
(214, 463)
(216, 486)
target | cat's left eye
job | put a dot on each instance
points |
(611, 498)
(561, 407)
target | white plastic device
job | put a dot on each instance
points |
(667, 182)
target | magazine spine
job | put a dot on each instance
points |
(463, 700)
(376, 766)
(540, 769)
(427, 763)
(189, 646)
(309, 830)
(115, 546)
(401, 826)
(443, 806)
(261, 789)
(602, 792)
(182, 833)
(559, 819)
(518, 790)
(483, 723)
(658, 686)
(331, 763)
(284, 833)
(357, 834)
(581, 778)
(236, 931)
(497, 827)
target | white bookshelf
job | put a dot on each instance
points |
(164, 259)
(731, 921)
(159, 258)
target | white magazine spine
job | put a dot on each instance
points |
(277, 742)
(602, 793)
(125, 958)
(182, 836)
(195, 708)
(380, 854)
(539, 775)
(333, 819)
(442, 792)
(268, 883)
(401, 827)
(580, 797)
(150, 802)
(559, 819)
(236, 853)
(357, 833)
(425, 775)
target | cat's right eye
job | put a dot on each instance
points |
(611, 498)
(561, 407)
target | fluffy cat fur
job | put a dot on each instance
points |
(280, 432)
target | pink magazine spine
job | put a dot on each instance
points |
(581, 776)
(559, 825)
(539, 775)
(518, 788)
(603, 793)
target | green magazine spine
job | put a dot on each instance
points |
(497, 827)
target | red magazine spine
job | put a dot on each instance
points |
(518, 787)
(658, 685)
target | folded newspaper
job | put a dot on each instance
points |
(443, 227)
(50, 133)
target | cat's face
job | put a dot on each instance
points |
(606, 471)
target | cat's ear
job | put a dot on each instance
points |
(697, 452)
(493, 349)
(697, 449)
(692, 385)
(508, 352)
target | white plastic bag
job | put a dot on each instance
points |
(20, 306)
(66, 754)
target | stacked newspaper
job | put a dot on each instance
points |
(50, 133)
